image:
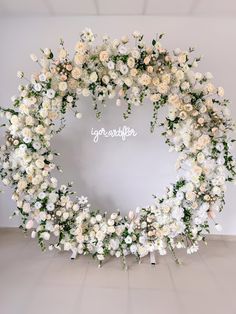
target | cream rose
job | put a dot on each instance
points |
(40, 129)
(62, 54)
(166, 78)
(79, 59)
(182, 58)
(179, 75)
(22, 184)
(147, 60)
(133, 72)
(76, 73)
(131, 62)
(203, 141)
(39, 163)
(29, 120)
(26, 132)
(80, 47)
(220, 91)
(14, 120)
(145, 79)
(162, 88)
(62, 86)
(155, 97)
(183, 115)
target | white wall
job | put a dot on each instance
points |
(115, 174)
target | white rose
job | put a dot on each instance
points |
(131, 62)
(122, 49)
(46, 236)
(29, 120)
(99, 218)
(85, 92)
(93, 77)
(190, 196)
(105, 79)
(111, 65)
(100, 257)
(65, 215)
(114, 216)
(114, 243)
(80, 47)
(179, 74)
(208, 75)
(145, 79)
(40, 129)
(22, 184)
(26, 207)
(43, 113)
(93, 220)
(14, 120)
(42, 216)
(210, 88)
(200, 157)
(42, 77)
(37, 87)
(51, 93)
(216, 190)
(124, 69)
(220, 91)
(100, 235)
(128, 240)
(76, 73)
(198, 76)
(177, 51)
(135, 54)
(182, 58)
(75, 207)
(128, 81)
(29, 224)
(133, 248)
(37, 179)
(26, 132)
(62, 54)
(136, 34)
(110, 222)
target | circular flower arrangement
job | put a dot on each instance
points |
(197, 126)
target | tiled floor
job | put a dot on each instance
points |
(32, 282)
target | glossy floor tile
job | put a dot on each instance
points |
(33, 282)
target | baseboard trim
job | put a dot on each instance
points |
(222, 237)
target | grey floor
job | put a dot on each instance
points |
(33, 282)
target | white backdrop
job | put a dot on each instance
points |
(112, 173)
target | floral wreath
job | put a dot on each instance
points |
(197, 126)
